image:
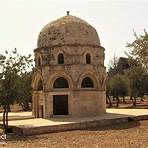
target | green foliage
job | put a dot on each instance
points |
(137, 81)
(139, 49)
(130, 75)
(118, 86)
(117, 66)
(12, 68)
(24, 90)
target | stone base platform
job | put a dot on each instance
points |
(112, 116)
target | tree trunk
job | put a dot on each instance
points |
(109, 100)
(117, 98)
(9, 109)
(142, 99)
(26, 106)
(134, 102)
(124, 100)
(5, 118)
(131, 98)
(4, 123)
(7, 121)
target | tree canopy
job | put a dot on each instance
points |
(13, 67)
(130, 74)
(139, 49)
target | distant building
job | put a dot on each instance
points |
(69, 77)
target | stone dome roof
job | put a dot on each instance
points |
(68, 30)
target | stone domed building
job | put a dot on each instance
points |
(69, 77)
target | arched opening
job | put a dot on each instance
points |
(61, 83)
(60, 101)
(60, 58)
(87, 83)
(40, 85)
(88, 59)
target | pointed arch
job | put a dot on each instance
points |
(40, 85)
(35, 80)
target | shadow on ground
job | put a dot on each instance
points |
(121, 126)
(83, 119)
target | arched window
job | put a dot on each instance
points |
(60, 83)
(88, 59)
(87, 83)
(60, 58)
(40, 85)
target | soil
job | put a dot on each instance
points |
(140, 103)
(127, 135)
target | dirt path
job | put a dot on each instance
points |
(128, 135)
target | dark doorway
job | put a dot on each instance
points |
(60, 104)
(42, 112)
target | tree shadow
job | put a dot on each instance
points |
(119, 126)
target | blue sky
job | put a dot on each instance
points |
(114, 20)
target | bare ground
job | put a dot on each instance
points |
(127, 135)
(128, 104)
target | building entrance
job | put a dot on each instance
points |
(60, 105)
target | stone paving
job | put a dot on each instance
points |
(38, 122)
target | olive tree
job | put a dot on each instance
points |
(12, 66)
(118, 87)
(24, 90)
(139, 49)
(136, 77)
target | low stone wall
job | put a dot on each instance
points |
(67, 127)
(75, 125)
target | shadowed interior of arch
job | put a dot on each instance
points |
(60, 58)
(40, 85)
(88, 58)
(87, 83)
(61, 83)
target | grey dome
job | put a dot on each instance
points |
(68, 30)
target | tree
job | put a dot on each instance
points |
(12, 65)
(139, 49)
(113, 67)
(136, 82)
(24, 90)
(118, 87)
(118, 65)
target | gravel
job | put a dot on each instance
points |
(127, 135)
